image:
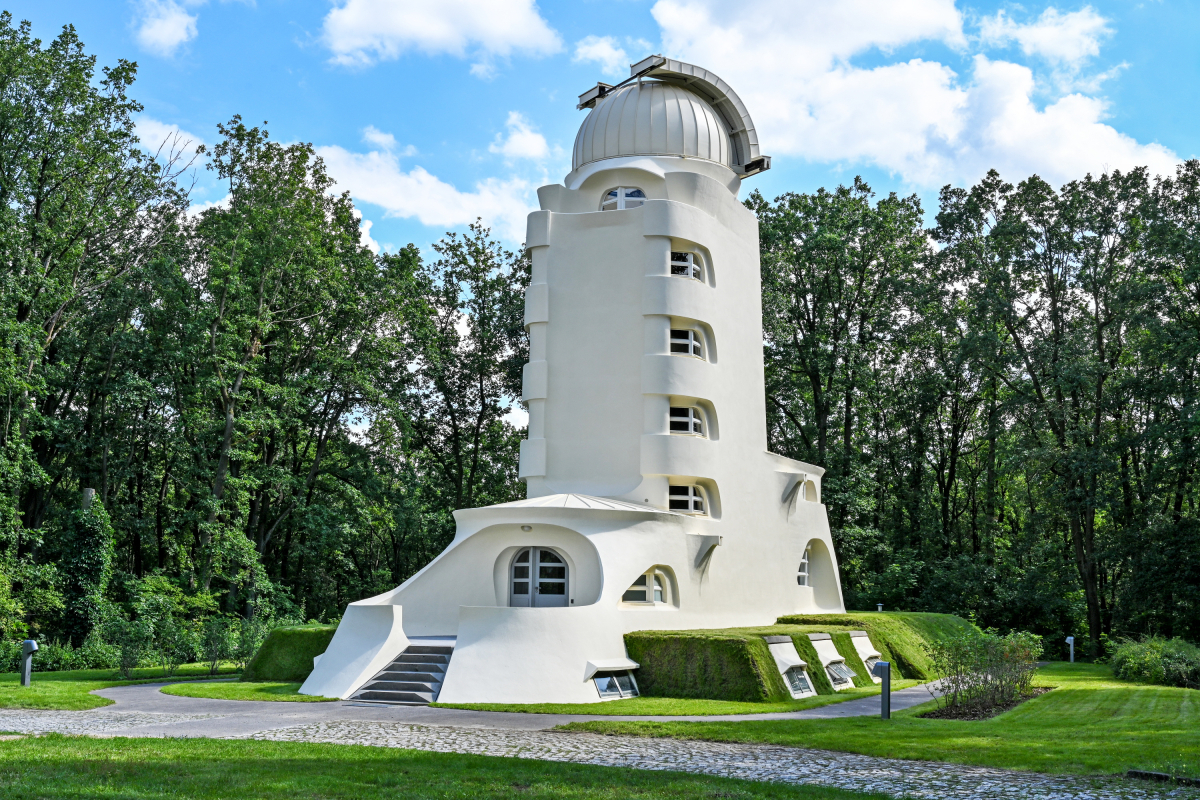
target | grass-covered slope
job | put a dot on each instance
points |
(716, 665)
(286, 656)
(899, 636)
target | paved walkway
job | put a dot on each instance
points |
(143, 711)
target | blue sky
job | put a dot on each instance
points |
(432, 113)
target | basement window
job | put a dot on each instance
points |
(621, 198)
(685, 419)
(685, 265)
(797, 681)
(839, 674)
(871, 662)
(689, 499)
(615, 685)
(686, 342)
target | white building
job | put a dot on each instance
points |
(653, 502)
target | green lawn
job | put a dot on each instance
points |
(68, 690)
(675, 706)
(51, 767)
(1090, 724)
(236, 690)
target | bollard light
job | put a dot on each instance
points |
(884, 670)
(28, 648)
(1071, 644)
(879, 606)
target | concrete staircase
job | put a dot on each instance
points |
(413, 679)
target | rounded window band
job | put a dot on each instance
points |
(621, 198)
(686, 342)
(686, 265)
(688, 499)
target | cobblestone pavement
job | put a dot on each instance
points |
(751, 762)
(900, 778)
(87, 723)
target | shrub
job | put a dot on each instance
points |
(985, 671)
(216, 642)
(286, 654)
(705, 664)
(1167, 662)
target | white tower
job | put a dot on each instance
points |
(653, 502)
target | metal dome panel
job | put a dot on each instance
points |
(652, 118)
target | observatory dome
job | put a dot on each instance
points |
(652, 118)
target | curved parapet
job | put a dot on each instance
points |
(367, 639)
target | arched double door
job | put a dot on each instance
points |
(538, 579)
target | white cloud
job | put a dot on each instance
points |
(919, 119)
(605, 51)
(1067, 39)
(362, 31)
(522, 140)
(196, 209)
(386, 141)
(364, 229)
(164, 25)
(167, 141)
(376, 178)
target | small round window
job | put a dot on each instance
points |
(621, 198)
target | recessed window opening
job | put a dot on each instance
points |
(871, 662)
(686, 342)
(651, 587)
(685, 265)
(797, 680)
(615, 685)
(802, 573)
(687, 420)
(621, 198)
(839, 674)
(689, 499)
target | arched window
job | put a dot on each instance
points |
(686, 342)
(802, 573)
(621, 198)
(651, 587)
(685, 419)
(539, 578)
(686, 265)
(688, 499)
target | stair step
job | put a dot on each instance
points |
(398, 686)
(404, 675)
(429, 650)
(423, 698)
(418, 658)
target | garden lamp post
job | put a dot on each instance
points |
(884, 670)
(879, 606)
(1071, 644)
(28, 648)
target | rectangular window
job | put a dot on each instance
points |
(686, 420)
(798, 681)
(686, 342)
(637, 592)
(685, 498)
(685, 265)
(615, 685)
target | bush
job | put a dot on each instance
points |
(984, 671)
(705, 664)
(54, 656)
(1167, 662)
(286, 654)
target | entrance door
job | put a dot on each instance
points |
(539, 578)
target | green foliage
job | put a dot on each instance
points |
(85, 563)
(985, 671)
(286, 655)
(705, 664)
(1168, 662)
(902, 638)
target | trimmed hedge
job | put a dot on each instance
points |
(900, 636)
(713, 665)
(286, 655)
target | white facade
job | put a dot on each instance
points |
(653, 502)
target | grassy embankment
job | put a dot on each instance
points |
(1090, 724)
(69, 690)
(53, 767)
